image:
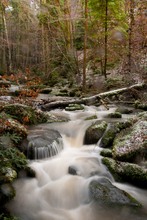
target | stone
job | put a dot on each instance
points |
(105, 193)
(95, 132)
(128, 172)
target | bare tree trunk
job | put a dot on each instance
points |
(8, 49)
(106, 39)
(131, 18)
(85, 44)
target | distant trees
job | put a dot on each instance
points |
(65, 38)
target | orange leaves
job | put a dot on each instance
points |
(28, 93)
(26, 119)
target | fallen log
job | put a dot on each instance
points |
(92, 100)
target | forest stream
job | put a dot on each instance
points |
(57, 194)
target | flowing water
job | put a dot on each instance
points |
(57, 195)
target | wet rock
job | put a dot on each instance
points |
(105, 193)
(42, 143)
(128, 172)
(109, 136)
(95, 132)
(72, 170)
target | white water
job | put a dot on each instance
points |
(56, 195)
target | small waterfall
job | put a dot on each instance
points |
(42, 143)
(46, 151)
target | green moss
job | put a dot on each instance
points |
(74, 107)
(106, 153)
(128, 172)
(114, 115)
(12, 161)
(109, 135)
(91, 117)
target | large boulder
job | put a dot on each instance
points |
(131, 143)
(95, 132)
(127, 172)
(112, 130)
(105, 193)
(42, 143)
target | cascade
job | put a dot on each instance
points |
(60, 190)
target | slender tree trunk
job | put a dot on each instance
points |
(85, 44)
(8, 49)
(131, 18)
(106, 40)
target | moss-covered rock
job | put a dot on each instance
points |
(95, 132)
(114, 115)
(105, 193)
(91, 117)
(106, 153)
(74, 107)
(142, 106)
(25, 114)
(127, 172)
(130, 143)
(109, 136)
